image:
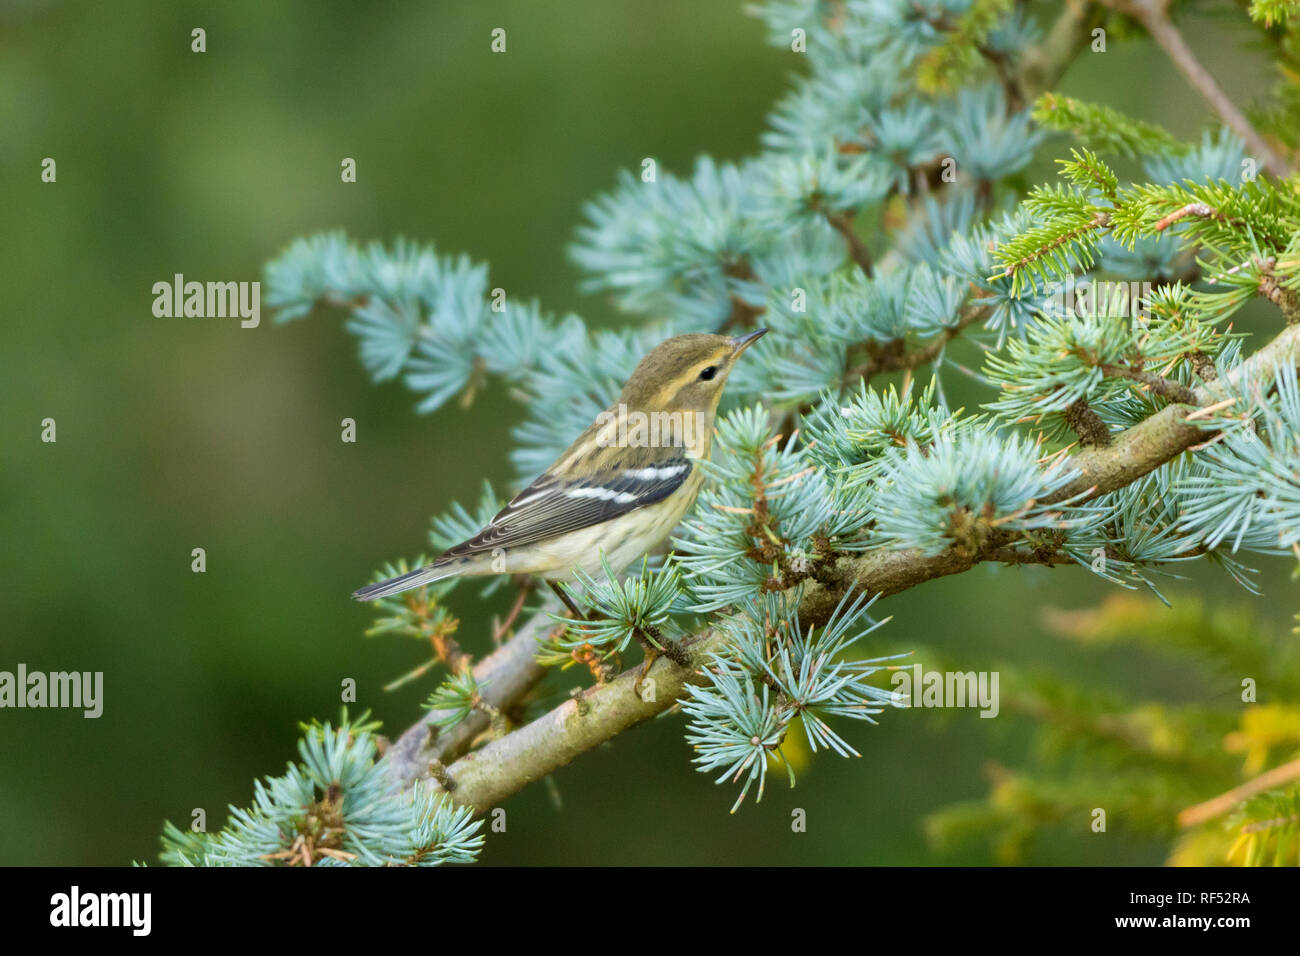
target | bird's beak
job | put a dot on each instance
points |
(742, 342)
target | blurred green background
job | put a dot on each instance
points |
(175, 434)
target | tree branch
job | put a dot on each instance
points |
(487, 776)
(504, 676)
(843, 224)
(1165, 388)
(1087, 424)
(1044, 64)
(1221, 804)
(502, 767)
(1286, 300)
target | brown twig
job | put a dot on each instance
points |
(1087, 424)
(1165, 388)
(843, 224)
(892, 356)
(1199, 209)
(742, 314)
(1224, 802)
(1154, 16)
(1287, 301)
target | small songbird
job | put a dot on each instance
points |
(618, 490)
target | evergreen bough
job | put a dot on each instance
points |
(1122, 443)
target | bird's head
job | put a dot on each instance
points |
(686, 373)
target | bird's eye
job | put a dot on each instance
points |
(707, 374)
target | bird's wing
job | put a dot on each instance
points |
(552, 506)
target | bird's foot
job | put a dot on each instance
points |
(654, 641)
(563, 595)
(655, 648)
(651, 655)
(500, 630)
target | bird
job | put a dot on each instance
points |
(618, 490)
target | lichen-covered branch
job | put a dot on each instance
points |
(504, 676)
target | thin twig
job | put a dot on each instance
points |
(843, 224)
(1154, 16)
(1224, 802)
(893, 357)
(1199, 209)
(742, 314)
(1165, 388)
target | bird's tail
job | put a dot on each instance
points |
(404, 582)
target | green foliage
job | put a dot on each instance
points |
(419, 615)
(1279, 116)
(1157, 769)
(1268, 828)
(1086, 171)
(768, 519)
(640, 606)
(856, 439)
(773, 673)
(955, 491)
(1255, 217)
(336, 807)
(1269, 12)
(1245, 490)
(958, 58)
(1065, 242)
(1244, 233)
(454, 700)
(1105, 129)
